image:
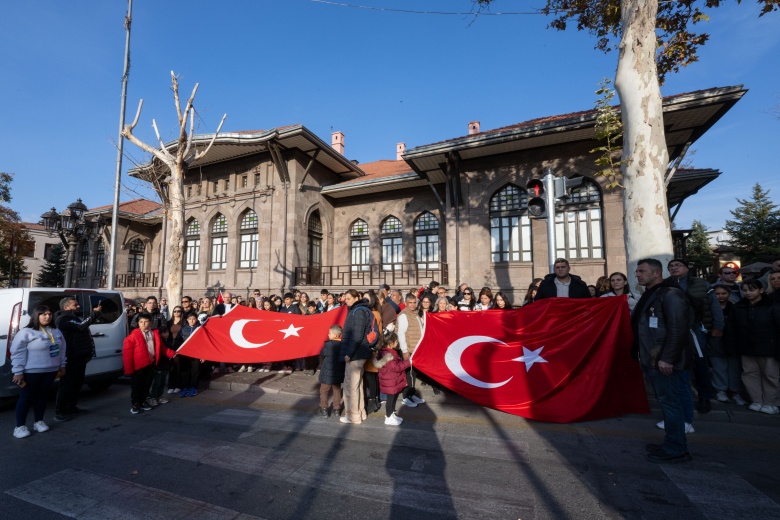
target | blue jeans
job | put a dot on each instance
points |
(667, 391)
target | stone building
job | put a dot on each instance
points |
(278, 209)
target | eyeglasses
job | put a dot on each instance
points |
(729, 272)
(468, 293)
(186, 301)
(177, 312)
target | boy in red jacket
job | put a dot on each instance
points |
(141, 352)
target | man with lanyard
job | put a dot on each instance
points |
(409, 334)
(661, 322)
(79, 349)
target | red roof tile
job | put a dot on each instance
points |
(137, 206)
(34, 226)
(381, 169)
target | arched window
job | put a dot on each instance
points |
(510, 226)
(84, 259)
(219, 242)
(426, 241)
(100, 258)
(392, 244)
(578, 223)
(192, 246)
(314, 251)
(135, 260)
(248, 232)
(358, 234)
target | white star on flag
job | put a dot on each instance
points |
(290, 331)
(530, 357)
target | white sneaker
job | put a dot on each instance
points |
(250, 369)
(408, 402)
(399, 419)
(172, 390)
(242, 369)
(688, 427)
(738, 400)
(20, 432)
(756, 407)
(417, 399)
(769, 409)
(722, 397)
(162, 400)
(40, 427)
(393, 420)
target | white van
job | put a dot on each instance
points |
(109, 329)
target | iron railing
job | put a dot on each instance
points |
(132, 280)
(394, 275)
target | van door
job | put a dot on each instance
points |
(108, 331)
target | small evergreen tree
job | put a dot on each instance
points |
(755, 230)
(53, 272)
(699, 253)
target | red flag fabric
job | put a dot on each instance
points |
(246, 335)
(557, 360)
(220, 299)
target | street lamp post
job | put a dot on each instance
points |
(71, 226)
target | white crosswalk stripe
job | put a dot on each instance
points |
(720, 494)
(85, 495)
(412, 489)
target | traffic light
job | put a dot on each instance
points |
(537, 203)
(563, 185)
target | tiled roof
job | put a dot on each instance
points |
(137, 206)
(381, 169)
(33, 226)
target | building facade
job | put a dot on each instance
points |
(281, 209)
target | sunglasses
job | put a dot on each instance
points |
(177, 312)
(729, 272)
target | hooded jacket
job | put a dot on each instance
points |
(353, 337)
(392, 371)
(77, 335)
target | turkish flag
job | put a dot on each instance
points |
(220, 299)
(247, 335)
(557, 360)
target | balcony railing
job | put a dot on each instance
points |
(132, 280)
(395, 275)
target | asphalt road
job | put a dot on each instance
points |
(262, 454)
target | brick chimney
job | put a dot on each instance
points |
(400, 148)
(474, 127)
(337, 142)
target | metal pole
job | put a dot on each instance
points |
(71, 262)
(549, 194)
(119, 152)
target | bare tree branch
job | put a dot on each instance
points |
(200, 155)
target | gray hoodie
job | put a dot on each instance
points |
(32, 353)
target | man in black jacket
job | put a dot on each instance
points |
(662, 322)
(79, 350)
(561, 284)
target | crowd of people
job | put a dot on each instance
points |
(729, 351)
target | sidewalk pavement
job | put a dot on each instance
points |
(301, 385)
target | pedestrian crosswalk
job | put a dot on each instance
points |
(85, 495)
(422, 470)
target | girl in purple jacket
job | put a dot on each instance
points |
(392, 376)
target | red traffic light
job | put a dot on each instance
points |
(536, 187)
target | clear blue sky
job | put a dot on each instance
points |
(380, 77)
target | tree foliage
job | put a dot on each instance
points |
(53, 271)
(609, 130)
(755, 229)
(699, 253)
(15, 241)
(676, 26)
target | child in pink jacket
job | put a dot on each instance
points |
(392, 376)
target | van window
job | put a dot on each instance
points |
(112, 303)
(112, 306)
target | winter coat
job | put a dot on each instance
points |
(77, 335)
(353, 337)
(332, 367)
(135, 354)
(577, 288)
(756, 328)
(392, 371)
(671, 338)
(721, 346)
(31, 351)
(158, 321)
